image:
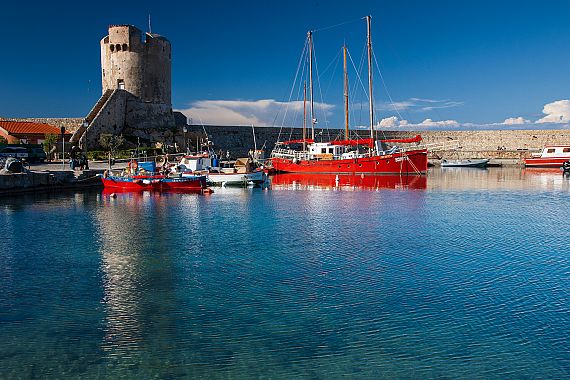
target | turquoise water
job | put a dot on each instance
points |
(463, 276)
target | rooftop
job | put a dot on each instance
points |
(22, 127)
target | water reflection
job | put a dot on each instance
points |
(138, 272)
(507, 178)
(347, 182)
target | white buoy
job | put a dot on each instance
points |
(113, 195)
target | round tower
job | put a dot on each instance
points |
(143, 68)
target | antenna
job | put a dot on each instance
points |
(149, 27)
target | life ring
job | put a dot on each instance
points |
(133, 165)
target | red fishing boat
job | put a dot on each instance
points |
(367, 155)
(142, 176)
(550, 157)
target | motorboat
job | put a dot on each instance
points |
(469, 163)
(240, 172)
(552, 156)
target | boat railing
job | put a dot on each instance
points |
(290, 154)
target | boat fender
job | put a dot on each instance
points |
(133, 165)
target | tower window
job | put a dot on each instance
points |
(121, 84)
(125, 47)
(112, 47)
(118, 47)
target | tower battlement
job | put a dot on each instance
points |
(141, 67)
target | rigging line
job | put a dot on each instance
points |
(359, 103)
(334, 60)
(337, 60)
(296, 115)
(386, 87)
(303, 53)
(320, 92)
(337, 25)
(358, 75)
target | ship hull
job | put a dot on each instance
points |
(550, 162)
(155, 184)
(411, 162)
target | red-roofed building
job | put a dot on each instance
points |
(28, 132)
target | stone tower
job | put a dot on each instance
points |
(139, 67)
(136, 88)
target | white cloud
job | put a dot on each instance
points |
(390, 122)
(417, 104)
(265, 112)
(515, 121)
(556, 112)
(395, 122)
(429, 123)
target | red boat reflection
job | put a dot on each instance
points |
(348, 181)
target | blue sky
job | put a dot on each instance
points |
(446, 64)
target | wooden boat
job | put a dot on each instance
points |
(142, 176)
(225, 173)
(348, 155)
(552, 156)
(469, 163)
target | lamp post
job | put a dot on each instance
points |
(62, 130)
(185, 130)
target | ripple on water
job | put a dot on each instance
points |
(284, 284)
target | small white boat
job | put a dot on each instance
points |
(237, 179)
(225, 173)
(469, 163)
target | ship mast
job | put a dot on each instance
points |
(304, 115)
(345, 96)
(310, 37)
(369, 44)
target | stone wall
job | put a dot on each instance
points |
(517, 143)
(142, 66)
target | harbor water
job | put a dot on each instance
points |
(460, 274)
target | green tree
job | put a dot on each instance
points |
(50, 140)
(3, 140)
(111, 143)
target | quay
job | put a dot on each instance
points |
(50, 177)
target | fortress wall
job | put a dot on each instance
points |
(517, 143)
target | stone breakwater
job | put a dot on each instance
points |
(513, 144)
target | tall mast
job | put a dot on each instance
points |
(345, 96)
(369, 43)
(304, 115)
(310, 37)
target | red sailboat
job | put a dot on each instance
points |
(348, 155)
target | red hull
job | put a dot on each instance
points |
(155, 184)
(348, 181)
(412, 162)
(551, 162)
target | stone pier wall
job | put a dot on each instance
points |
(514, 144)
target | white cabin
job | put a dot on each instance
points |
(554, 151)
